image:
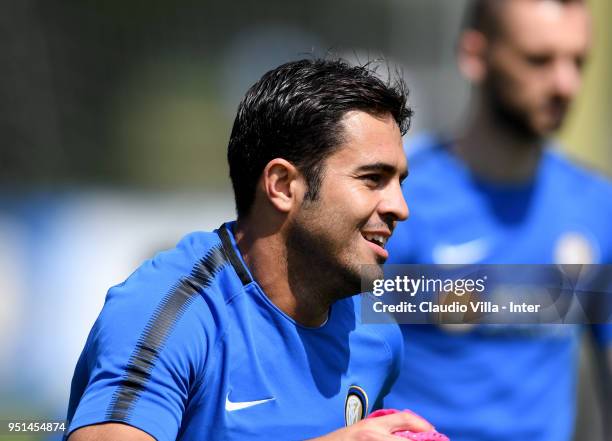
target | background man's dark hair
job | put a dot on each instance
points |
(484, 15)
(294, 112)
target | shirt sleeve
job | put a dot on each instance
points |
(143, 357)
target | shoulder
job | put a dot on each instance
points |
(178, 291)
(197, 265)
(583, 187)
(575, 173)
(584, 196)
(194, 261)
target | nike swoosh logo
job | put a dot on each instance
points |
(230, 406)
(466, 253)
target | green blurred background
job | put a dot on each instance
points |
(144, 93)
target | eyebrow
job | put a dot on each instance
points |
(382, 167)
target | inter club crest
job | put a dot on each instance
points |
(355, 406)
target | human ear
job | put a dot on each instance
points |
(282, 184)
(471, 53)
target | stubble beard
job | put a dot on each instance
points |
(315, 266)
(511, 119)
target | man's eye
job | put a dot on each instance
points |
(539, 60)
(373, 178)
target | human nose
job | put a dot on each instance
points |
(394, 203)
(567, 78)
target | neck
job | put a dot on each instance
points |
(498, 152)
(264, 250)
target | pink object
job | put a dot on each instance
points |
(430, 435)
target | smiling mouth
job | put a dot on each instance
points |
(376, 239)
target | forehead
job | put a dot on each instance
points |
(539, 25)
(368, 139)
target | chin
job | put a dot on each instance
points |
(547, 125)
(554, 127)
(369, 273)
(372, 260)
(541, 133)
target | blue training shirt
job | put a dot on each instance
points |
(497, 383)
(189, 347)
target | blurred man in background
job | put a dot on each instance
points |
(497, 194)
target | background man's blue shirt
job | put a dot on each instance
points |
(189, 347)
(497, 382)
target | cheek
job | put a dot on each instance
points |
(515, 82)
(529, 85)
(523, 94)
(353, 201)
(517, 89)
(534, 90)
(361, 204)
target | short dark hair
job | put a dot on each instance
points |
(484, 15)
(294, 112)
(481, 15)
